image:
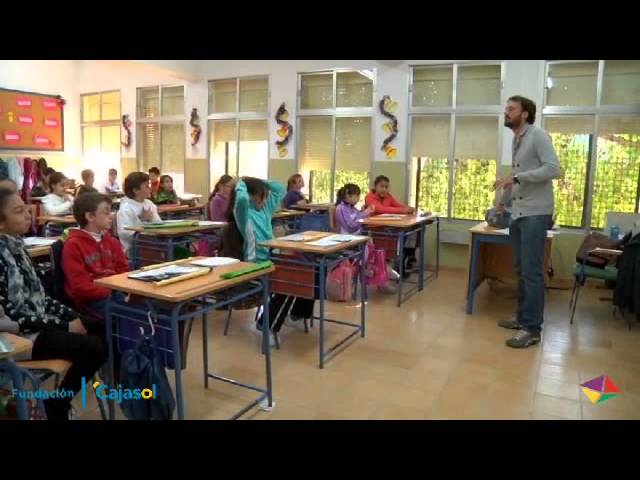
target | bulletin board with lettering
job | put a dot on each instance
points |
(31, 121)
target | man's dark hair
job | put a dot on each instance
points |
(155, 170)
(528, 106)
(88, 203)
(133, 182)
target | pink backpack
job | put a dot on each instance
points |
(340, 282)
(208, 246)
(376, 273)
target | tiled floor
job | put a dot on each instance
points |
(427, 360)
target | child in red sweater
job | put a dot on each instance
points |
(384, 202)
(90, 253)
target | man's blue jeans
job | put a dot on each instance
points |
(528, 236)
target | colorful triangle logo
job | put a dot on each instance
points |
(609, 386)
(607, 396)
(600, 389)
(592, 395)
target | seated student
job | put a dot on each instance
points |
(135, 208)
(42, 188)
(154, 177)
(347, 216)
(251, 206)
(56, 330)
(88, 177)
(57, 202)
(91, 253)
(165, 194)
(294, 195)
(219, 199)
(112, 185)
(385, 203)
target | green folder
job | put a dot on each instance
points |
(186, 223)
(244, 271)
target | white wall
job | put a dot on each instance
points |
(72, 78)
(523, 77)
(96, 76)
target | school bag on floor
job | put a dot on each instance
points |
(141, 368)
(340, 282)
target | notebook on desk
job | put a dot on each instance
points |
(164, 273)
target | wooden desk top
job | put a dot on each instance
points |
(484, 229)
(406, 221)
(58, 219)
(41, 251)
(287, 214)
(176, 232)
(313, 206)
(185, 290)
(304, 247)
(20, 344)
(178, 208)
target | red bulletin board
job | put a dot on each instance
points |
(31, 121)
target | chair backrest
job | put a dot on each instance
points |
(57, 287)
(332, 219)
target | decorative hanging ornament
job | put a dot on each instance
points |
(195, 123)
(126, 138)
(284, 132)
(387, 106)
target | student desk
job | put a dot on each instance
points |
(17, 374)
(301, 271)
(491, 256)
(290, 219)
(54, 225)
(38, 251)
(160, 242)
(391, 235)
(169, 304)
(316, 216)
(181, 212)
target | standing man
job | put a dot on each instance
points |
(530, 192)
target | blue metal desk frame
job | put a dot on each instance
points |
(322, 264)
(204, 305)
(401, 234)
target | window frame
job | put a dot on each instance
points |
(597, 111)
(452, 111)
(160, 120)
(99, 123)
(334, 113)
(236, 117)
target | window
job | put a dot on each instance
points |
(592, 112)
(455, 122)
(334, 133)
(161, 131)
(239, 127)
(100, 125)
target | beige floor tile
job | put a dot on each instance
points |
(560, 407)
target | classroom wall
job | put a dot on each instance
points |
(72, 78)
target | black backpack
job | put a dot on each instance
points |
(141, 369)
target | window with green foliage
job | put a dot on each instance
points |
(320, 189)
(334, 132)
(616, 183)
(455, 179)
(595, 130)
